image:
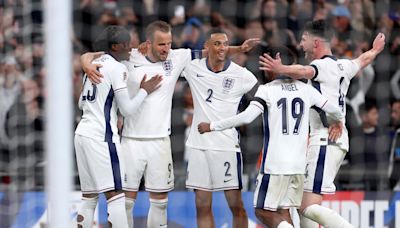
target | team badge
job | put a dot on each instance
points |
(228, 83)
(167, 66)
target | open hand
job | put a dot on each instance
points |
(152, 84)
(269, 64)
(249, 44)
(92, 70)
(335, 131)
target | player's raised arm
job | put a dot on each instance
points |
(245, 117)
(245, 47)
(90, 69)
(274, 65)
(367, 57)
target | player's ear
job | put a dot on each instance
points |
(115, 47)
(207, 44)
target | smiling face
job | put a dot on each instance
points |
(160, 45)
(217, 47)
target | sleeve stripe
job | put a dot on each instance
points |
(258, 105)
(261, 101)
(116, 90)
(316, 71)
(324, 103)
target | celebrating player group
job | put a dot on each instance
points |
(303, 109)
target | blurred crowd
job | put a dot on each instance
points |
(373, 101)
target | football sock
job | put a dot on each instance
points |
(86, 212)
(284, 224)
(116, 211)
(326, 217)
(129, 204)
(157, 213)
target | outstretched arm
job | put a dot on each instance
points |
(245, 117)
(274, 65)
(233, 50)
(367, 57)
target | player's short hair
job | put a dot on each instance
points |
(111, 35)
(161, 26)
(214, 31)
(319, 28)
(366, 107)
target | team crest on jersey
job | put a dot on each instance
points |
(167, 66)
(228, 83)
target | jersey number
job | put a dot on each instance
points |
(90, 94)
(341, 95)
(210, 93)
(297, 114)
(228, 167)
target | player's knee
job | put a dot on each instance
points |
(160, 204)
(203, 199)
(259, 214)
(238, 210)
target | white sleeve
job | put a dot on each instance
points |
(316, 64)
(128, 106)
(245, 117)
(352, 68)
(119, 77)
(249, 81)
(322, 102)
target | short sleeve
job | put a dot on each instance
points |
(119, 77)
(351, 68)
(317, 65)
(249, 80)
(184, 55)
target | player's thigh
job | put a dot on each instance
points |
(294, 193)
(198, 171)
(98, 165)
(226, 169)
(270, 191)
(133, 154)
(323, 163)
(159, 173)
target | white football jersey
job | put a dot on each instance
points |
(216, 96)
(99, 119)
(286, 126)
(153, 118)
(332, 79)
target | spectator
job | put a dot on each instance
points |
(375, 149)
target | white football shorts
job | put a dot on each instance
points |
(275, 192)
(323, 163)
(210, 170)
(151, 159)
(100, 166)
